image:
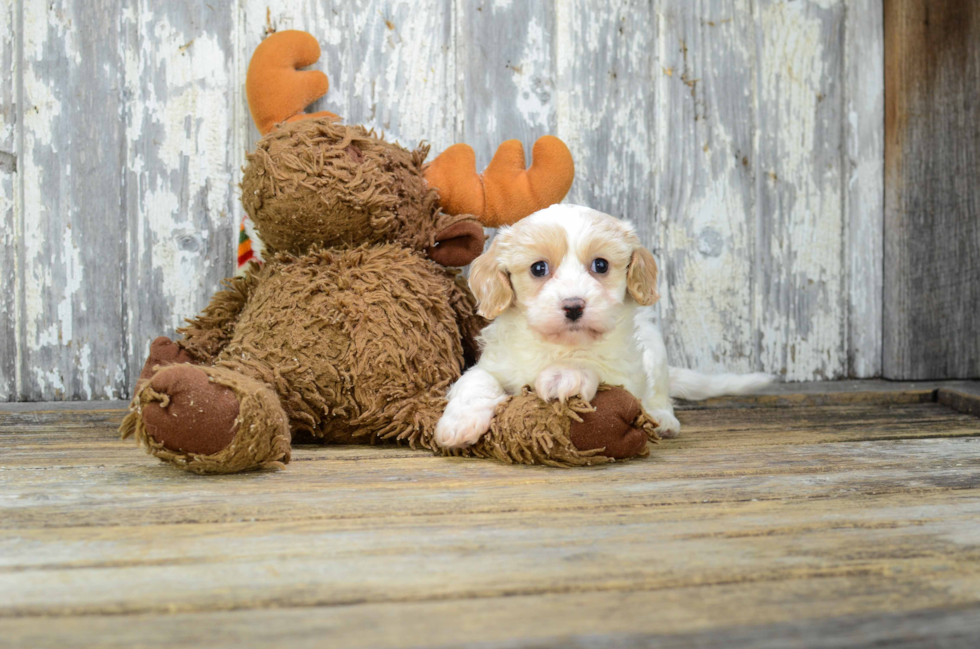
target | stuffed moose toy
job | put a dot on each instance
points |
(358, 322)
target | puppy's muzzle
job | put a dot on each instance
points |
(573, 307)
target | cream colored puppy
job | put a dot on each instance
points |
(569, 291)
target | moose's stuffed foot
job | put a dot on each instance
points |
(617, 425)
(526, 430)
(209, 420)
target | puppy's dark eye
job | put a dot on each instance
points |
(539, 268)
(600, 265)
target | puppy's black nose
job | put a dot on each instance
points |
(573, 307)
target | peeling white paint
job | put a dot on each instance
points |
(9, 208)
(41, 115)
(802, 332)
(402, 77)
(185, 165)
(864, 202)
(84, 361)
(706, 304)
(705, 190)
(602, 114)
(535, 85)
(712, 125)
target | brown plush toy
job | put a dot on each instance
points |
(356, 325)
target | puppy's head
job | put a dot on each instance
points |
(569, 270)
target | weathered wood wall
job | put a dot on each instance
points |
(743, 137)
(932, 208)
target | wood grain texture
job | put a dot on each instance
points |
(828, 615)
(52, 477)
(932, 209)
(181, 199)
(9, 186)
(832, 526)
(506, 74)
(705, 195)
(123, 571)
(605, 106)
(743, 139)
(72, 242)
(963, 398)
(800, 304)
(864, 176)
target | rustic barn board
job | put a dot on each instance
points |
(756, 525)
(932, 212)
(180, 165)
(800, 313)
(825, 613)
(705, 192)
(964, 397)
(744, 139)
(156, 569)
(827, 393)
(605, 106)
(9, 185)
(506, 74)
(734, 455)
(72, 242)
(864, 172)
(853, 426)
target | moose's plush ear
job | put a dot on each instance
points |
(490, 284)
(641, 278)
(457, 245)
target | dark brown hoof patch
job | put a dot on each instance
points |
(196, 415)
(610, 426)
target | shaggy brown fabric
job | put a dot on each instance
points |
(526, 430)
(360, 342)
(320, 183)
(207, 334)
(261, 432)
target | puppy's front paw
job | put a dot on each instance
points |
(563, 383)
(667, 424)
(461, 426)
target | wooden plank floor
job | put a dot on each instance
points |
(814, 516)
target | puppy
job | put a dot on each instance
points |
(569, 291)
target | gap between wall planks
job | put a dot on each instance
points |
(743, 138)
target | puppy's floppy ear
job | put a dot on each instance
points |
(641, 277)
(490, 284)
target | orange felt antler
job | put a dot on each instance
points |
(506, 192)
(277, 90)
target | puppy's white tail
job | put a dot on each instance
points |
(688, 384)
